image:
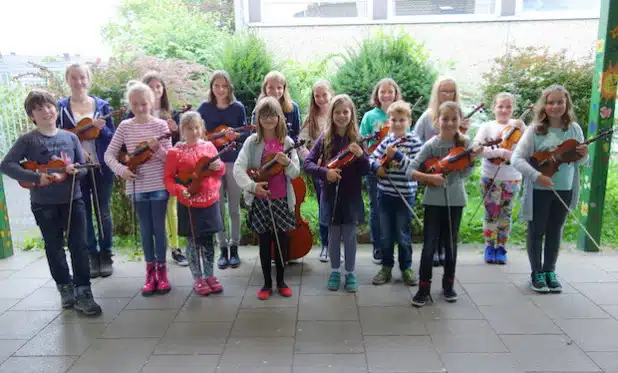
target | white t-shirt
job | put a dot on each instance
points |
(490, 131)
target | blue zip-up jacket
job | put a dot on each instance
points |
(101, 107)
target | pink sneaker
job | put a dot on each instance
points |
(214, 284)
(150, 286)
(163, 284)
(201, 287)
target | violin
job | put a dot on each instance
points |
(140, 155)
(476, 109)
(192, 179)
(270, 167)
(55, 166)
(345, 157)
(385, 160)
(218, 137)
(510, 137)
(456, 160)
(85, 128)
(548, 162)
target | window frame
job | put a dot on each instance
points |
(317, 21)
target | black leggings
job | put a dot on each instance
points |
(436, 232)
(267, 241)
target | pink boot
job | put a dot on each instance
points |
(214, 284)
(201, 287)
(163, 284)
(150, 286)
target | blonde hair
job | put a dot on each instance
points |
(135, 86)
(374, 101)
(451, 105)
(78, 66)
(270, 107)
(434, 100)
(311, 122)
(188, 118)
(286, 100)
(541, 120)
(400, 107)
(210, 95)
(351, 131)
(504, 96)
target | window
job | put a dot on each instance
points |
(442, 7)
(285, 10)
(559, 5)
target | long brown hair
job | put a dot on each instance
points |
(450, 105)
(286, 100)
(311, 122)
(210, 95)
(541, 120)
(374, 101)
(351, 131)
(165, 106)
(269, 107)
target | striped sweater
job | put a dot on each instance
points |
(131, 134)
(406, 152)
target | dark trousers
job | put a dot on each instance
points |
(52, 220)
(395, 220)
(317, 184)
(436, 229)
(104, 184)
(548, 217)
(267, 241)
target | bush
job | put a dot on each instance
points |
(381, 56)
(247, 60)
(525, 72)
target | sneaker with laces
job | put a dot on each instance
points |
(334, 281)
(408, 276)
(383, 276)
(448, 290)
(422, 295)
(324, 254)
(67, 295)
(539, 283)
(105, 263)
(490, 254)
(351, 284)
(500, 255)
(552, 282)
(84, 302)
(179, 258)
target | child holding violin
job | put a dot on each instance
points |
(55, 200)
(222, 112)
(199, 217)
(390, 161)
(445, 197)
(500, 181)
(162, 109)
(544, 199)
(145, 182)
(271, 200)
(314, 125)
(343, 165)
(384, 94)
(444, 90)
(73, 110)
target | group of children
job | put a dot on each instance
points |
(336, 157)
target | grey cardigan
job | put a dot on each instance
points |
(519, 159)
(250, 156)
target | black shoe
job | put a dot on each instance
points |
(105, 262)
(450, 295)
(67, 295)
(95, 265)
(84, 302)
(223, 261)
(179, 258)
(377, 255)
(234, 259)
(422, 295)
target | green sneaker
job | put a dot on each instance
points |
(539, 283)
(409, 278)
(351, 285)
(552, 282)
(334, 281)
(383, 276)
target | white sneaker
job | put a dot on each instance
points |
(324, 254)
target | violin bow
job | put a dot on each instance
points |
(71, 207)
(272, 217)
(195, 245)
(576, 219)
(450, 221)
(388, 177)
(97, 206)
(133, 218)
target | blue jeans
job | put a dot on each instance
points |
(395, 220)
(317, 184)
(104, 183)
(374, 212)
(151, 208)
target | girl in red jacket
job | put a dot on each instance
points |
(198, 214)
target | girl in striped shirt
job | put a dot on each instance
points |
(146, 184)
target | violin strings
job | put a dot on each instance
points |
(577, 220)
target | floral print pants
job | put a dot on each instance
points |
(499, 203)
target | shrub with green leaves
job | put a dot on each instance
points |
(382, 56)
(525, 72)
(301, 76)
